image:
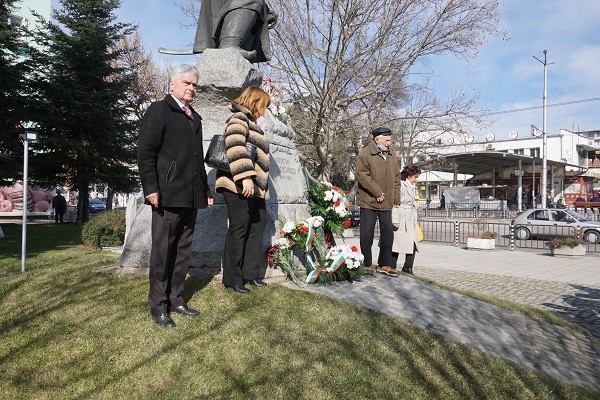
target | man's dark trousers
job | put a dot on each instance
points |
(368, 218)
(172, 234)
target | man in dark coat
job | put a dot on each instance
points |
(59, 204)
(171, 166)
(241, 24)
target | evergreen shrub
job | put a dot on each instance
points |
(105, 229)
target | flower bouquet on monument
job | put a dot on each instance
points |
(279, 255)
(330, 202)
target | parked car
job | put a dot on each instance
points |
(354, 216)
(549, 222)
(97, 205)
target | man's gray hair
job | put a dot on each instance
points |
(183, 69)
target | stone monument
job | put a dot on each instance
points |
(224, 73)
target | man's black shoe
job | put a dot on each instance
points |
(185, 310)
(164, 319)
(239, 288)
(255, 282)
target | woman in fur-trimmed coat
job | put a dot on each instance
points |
(244, 190)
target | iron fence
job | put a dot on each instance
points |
(457, 232)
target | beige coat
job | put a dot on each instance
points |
(406, 217)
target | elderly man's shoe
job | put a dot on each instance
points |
(164, 319)
(185, 310)
(239, 288)
(387, 270)
(255, 282)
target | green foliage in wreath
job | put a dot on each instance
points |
(329, 202)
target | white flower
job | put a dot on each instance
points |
(329, 195)
(282, 243)
(341, 210)
(314, 221)
(289, 226)
(333, 252)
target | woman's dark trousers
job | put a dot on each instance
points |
(243, 242)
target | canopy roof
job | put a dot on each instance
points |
(478, 162)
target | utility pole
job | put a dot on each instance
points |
(544, 135)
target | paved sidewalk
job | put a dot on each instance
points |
(569, 287)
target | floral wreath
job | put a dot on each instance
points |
(331, 203)
(339, 262)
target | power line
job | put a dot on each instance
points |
(538, 107)
(566, 103)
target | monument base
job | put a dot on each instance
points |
(224, 75)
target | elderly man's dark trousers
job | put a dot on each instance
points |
(368, 218)
(172, 234)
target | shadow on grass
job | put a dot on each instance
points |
(73, 330)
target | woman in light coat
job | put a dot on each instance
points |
(404, 218)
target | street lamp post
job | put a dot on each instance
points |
(544, 135)
(27, 137)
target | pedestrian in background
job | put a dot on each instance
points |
(378, 176)
(171, 165)
(59, 204)
(404, 218)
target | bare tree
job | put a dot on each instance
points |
(347, 63)
(427, 123)
(149, 81)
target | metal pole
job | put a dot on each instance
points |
(533, 185)
(544, 140)
(544, 135)
(24, 228)
(520, 187)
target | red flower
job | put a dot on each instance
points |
(337, 189)
(337, 203)
(354, 249)
(304, 229)
(347, 223)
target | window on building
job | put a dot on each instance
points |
(534, 152)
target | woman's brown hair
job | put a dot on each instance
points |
(410, 170)
(254, 99)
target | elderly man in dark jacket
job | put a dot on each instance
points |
(171, 166)
(378, 176)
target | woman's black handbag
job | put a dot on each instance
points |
(216, 155)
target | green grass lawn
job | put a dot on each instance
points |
(71, 330)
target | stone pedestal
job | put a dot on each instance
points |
(224, 74)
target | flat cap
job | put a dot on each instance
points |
(381, 131)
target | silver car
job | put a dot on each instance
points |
(548, 222)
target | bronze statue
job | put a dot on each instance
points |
(241, 24)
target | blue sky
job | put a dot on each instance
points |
(504, 73)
